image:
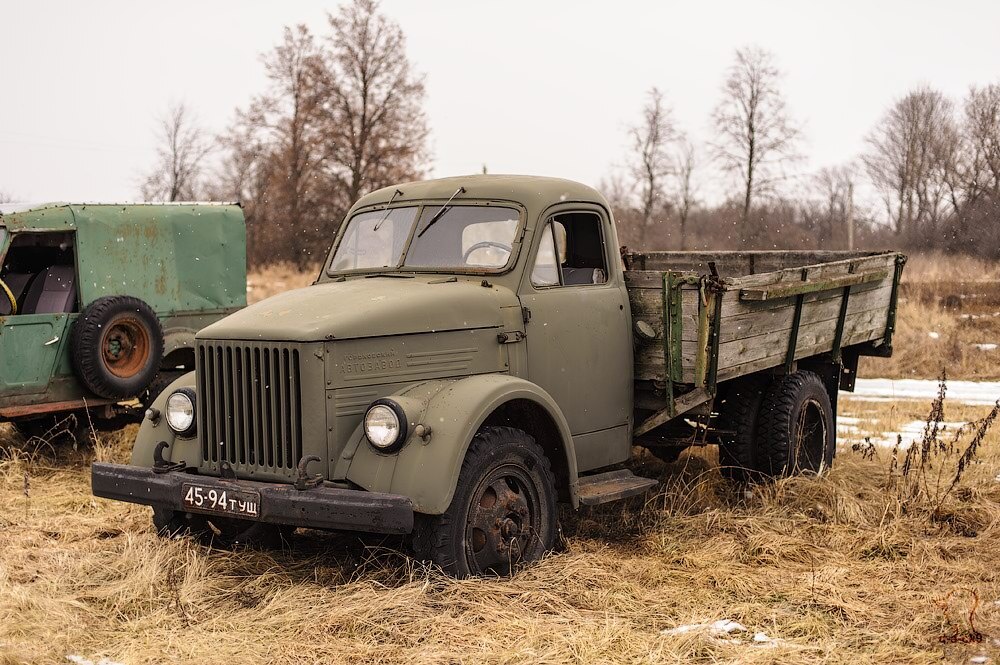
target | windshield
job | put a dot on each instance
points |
(460, 237)
(375, 240)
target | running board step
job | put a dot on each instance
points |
(612, 486)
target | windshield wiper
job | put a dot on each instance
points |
(394, 275)
(441, 213)
(387, 209)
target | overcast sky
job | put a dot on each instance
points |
(524, 87)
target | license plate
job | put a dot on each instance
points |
(239, 503)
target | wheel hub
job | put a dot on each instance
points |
(500, 524)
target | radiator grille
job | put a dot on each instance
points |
(249, 404)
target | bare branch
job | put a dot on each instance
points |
(755, 136)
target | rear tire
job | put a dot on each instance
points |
(797, 426)
(738, 452)
(503, 512)
(221, 531)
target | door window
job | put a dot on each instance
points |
(39, 271)
(571, 252)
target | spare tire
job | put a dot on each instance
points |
(117, 346)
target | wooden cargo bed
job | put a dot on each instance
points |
(721, 315)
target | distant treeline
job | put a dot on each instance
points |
(343, 115)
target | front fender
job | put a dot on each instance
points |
(427, 472)
(152, 432)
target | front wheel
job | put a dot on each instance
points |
(503, 512)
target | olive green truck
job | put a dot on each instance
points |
(477, 349)
(99, 305)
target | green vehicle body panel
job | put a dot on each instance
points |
(187, 261)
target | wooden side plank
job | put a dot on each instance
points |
(775, 292)
(757, 322)
(738, 263)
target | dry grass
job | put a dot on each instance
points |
(839, 569)
(853, 567)
(266, 282)
(949, 315)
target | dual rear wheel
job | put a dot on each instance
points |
(778, 427)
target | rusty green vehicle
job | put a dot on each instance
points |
(477, 350)
(99, 305)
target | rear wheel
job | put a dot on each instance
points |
(224, 531)
(503, 512)
(739, 458)
(796, 426)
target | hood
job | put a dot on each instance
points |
(367, 307)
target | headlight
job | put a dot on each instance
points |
(385, 425)
(179, 412)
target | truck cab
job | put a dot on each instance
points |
(464, 360)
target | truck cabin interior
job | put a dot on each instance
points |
(580, 249)
(40, 271)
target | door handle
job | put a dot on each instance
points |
(51, 341)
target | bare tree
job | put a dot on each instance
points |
(687, 192)
(756, 137)
(835, 187)
(909, 155)
(342, 115)
(5, 197)
(180, 158)
(651, 161)
(275, 163)
(377, 130)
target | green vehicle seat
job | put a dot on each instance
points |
(52, 291)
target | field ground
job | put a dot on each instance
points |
(878, 561)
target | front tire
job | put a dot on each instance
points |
(503, 512)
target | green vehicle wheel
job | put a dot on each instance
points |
(503, 513)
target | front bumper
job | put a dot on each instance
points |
(318, 508)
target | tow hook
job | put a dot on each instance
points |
(161, 465)
(304, 480)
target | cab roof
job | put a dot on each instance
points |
(71, 215)
(533, 192)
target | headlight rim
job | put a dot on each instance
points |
(404, 426)
(192, 429)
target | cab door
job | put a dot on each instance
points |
(29, 346)
(578, 343)
(35, 266)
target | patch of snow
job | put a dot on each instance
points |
(764, 640)
(912, 431)
(934, 335)
(986, 347)
(80, 660)
(720, 627)
(966, 392)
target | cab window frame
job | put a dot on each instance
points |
(547, 224)
(421, 204)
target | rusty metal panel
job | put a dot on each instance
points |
(177, 258)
